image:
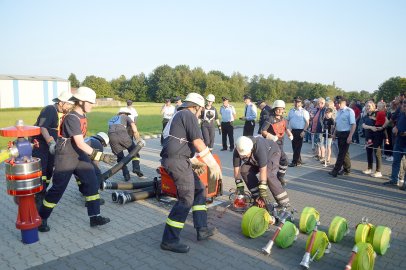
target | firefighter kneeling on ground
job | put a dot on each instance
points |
(254, 155)
(73, 155)
(98, 142)
(182, 138)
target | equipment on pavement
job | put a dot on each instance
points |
(125, 197)
(126, 185)
(23, 176)
(338, 229)
(378, 237)
(164, 185)
(362, 257)
(309, 218)
(317, 245)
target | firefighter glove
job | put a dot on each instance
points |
(272, 137)
(214, 168)
(240, 186)
(52, 145)
(263, 191)
(106, 158)
(197, 166)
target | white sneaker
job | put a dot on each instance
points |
(368, 171)
(377, 174)
(389, 158)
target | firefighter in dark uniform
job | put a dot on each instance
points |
(265, 113)
(49, 121)
(255, 155)
(73, 155)
(98, 142)
(208, 117)
(274, 129)
(182, 138)
(250, 115)
(121, 131)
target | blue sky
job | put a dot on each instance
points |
(356, 44)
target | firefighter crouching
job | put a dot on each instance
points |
(73, 155)
(255, 155)
(121, 131)
(182, 138)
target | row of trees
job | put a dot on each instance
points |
(166, 82)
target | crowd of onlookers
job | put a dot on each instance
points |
(376, 122)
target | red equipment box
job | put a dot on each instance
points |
(165, 186)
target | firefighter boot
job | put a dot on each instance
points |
(98, 221)
(136, 168)
(44, 226)
(175, 247)
(204, 233)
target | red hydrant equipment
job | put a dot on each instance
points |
(23, 176)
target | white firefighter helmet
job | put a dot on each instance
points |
(124, 110)
(210, 97)
(278, 104)
(244, 145)
(85, 94)
(193, 98)
(64, 97)
(103, 137)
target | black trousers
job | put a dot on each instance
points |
(297, 143)
(208, 134)
(343, 159)
(375, 148)
(227, 130)
(191, 195)
(249, 126)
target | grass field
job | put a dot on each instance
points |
(149, 120)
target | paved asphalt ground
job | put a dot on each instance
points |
(131, 240)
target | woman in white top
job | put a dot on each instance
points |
(167, 111)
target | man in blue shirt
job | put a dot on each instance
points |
(399, 149)
(227, 112)
(345, 128)
(250, 115)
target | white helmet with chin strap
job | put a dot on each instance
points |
(244, 145)
(193, 98)
(278, 104)
(85, 94)
(210, 97)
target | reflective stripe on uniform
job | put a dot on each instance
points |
(92, 198)
(199, 208)
(44, 178)
(283, 194)
(175, 224)
(136, 158)
(48, 204)
(284, 201)
(78, 182)
(98, 156)
(240, 185)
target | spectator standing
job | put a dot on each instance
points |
(400, 146)
(228, 114)
(250, 115)
(345, 128)
(208, 117)
(357, 112)
(265, 113)
(308, 136)
(298, 121)
(326, 140)
(167, 111)
(132, 110)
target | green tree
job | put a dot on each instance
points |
(100, 85)
(117, 85)
(136, 88)
(74, 82)
(391, 88)
(161, 83)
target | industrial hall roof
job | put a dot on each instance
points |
(30, 78)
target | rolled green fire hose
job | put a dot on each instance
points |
(365, 258)
(255, 222)
(378, 237)
(338, 229)
(320, 243)
(287, 235)
(381, 239)
(308, 220)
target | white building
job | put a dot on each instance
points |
(30, 91)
